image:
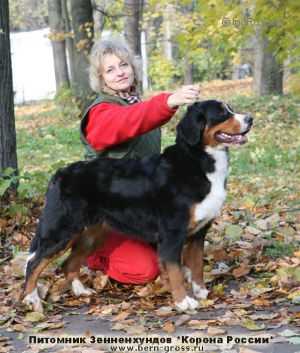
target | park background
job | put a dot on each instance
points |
(243, 52)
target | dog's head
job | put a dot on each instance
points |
(213, 123)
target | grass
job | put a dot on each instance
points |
(270, 163)
(279, 249)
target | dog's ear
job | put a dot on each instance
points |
(191, 127)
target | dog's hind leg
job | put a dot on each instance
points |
(36, 263)
(89, 240)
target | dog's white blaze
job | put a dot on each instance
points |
(187, 303)
(241, 119)
(211, 206)
(79, 289)
(34, 300)
(199, 291)
(30, 256)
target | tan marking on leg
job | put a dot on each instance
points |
(164, 276)
(33, 277)
(31, 283)
(181, 300)
(193, 260)
(176, 281)
(85, 244)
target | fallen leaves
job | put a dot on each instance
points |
(249, 286)
(164, 311)
(242, 270)
(169, 327)
(215, 331)
(292, 336)
(252, 325)
(5, 346)
(34, 317)
(198, 324)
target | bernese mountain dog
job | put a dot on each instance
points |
(169, 200)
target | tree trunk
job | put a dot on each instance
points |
(133, 15)
(145, 81)
(187, 9)
(8, 154)
(188, 71)
(57, 37)
(69, 39)
(168, 32)
(99, 18)
(82, 20)
(268, 73)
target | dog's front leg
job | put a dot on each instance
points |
(193, 263)
(176, 280)
(173, 233)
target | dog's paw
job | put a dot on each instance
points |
(34, 301)
(79, 289)
(200, 292)
(186, 304)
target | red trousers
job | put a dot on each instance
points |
(125, 260)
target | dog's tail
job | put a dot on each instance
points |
(54, 229)
(35, 241)
(55, 217)
(52, 206)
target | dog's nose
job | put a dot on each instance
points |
(249, 119)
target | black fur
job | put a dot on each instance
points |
(149, 198)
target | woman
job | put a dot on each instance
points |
(119, 125)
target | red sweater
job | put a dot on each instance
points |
(110, 124)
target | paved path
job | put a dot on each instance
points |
(86, 325)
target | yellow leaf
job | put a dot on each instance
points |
(252, 325)
(121, 316)
(169, 327)
(34, 317)
(297, 253)
(205, 303)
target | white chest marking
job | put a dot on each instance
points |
(211, 206)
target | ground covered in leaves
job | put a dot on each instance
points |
(252, 251)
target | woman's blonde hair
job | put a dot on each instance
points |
(114, 46)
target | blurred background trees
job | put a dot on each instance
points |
(176, 42)
(184, 41)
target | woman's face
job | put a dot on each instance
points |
(117, 73)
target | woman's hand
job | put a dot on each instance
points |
(184, 95)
